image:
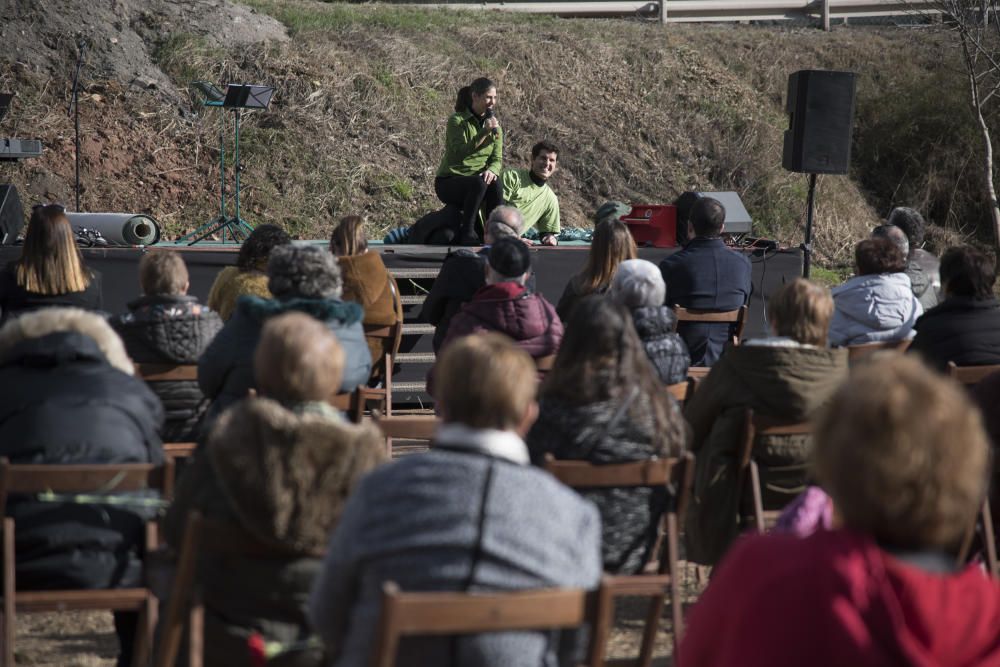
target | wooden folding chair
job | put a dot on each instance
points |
(203, 536)
(167, 372)
(856, 353)
(682, 391)
(77, 479)
(982, 527)
(448, 614)
(676, 476)
(748, 478)
(698, 373)
(388, 335)
(970, 376)
(735, 318)
(415, 428)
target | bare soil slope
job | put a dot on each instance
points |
(641, 113)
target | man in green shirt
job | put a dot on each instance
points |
(528, 190)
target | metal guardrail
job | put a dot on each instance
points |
(690, 11)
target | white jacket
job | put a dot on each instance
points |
(874, 308)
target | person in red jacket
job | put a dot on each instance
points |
(903, 455)
(505, 305)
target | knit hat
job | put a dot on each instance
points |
(510, 257)
(611, 210)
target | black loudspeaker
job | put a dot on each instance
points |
(820, 108)
(11, 214)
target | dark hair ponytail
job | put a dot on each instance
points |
(464, 99)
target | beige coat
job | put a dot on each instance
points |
(784, 382)
(367, 282)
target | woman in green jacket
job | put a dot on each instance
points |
(473, 153)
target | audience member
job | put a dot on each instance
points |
(788, 376)
(877, 304)
(249, 276)
(67, 395)
(612, 244)
(505, 305)
(921, 266)
(528, 191)
(602, 402)
(903, 455)
(706, 275)
(464, 272)
(302, 278)
(166, 326)
(367, 282)
(280, 466)
(469, 515)
(965, 327)
(50, 271)
(638, 285)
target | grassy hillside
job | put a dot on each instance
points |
(640, 112)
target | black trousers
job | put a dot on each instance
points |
(469, 193)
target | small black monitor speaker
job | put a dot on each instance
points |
(11, 214)
(820, 106)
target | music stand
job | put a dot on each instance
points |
(236, 98)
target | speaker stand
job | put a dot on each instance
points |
(807, 247)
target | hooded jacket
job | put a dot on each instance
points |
(171, 330)
(510, 309)
(283, 475)
(873, 308)
(367, 283)
(960, 329)
(782, 380)
(225, 370)
(230, 285)
(62, 401)
(834, 598)
(666, 349)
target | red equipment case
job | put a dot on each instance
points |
(653, 225)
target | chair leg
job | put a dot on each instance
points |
(675, 579)
(649, 631)
(196, 635)
(758, 501)
(9, 592)
(989, 540)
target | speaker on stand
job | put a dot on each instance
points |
(820, 107)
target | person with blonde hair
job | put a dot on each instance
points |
(477, 517)
(167, 326)
(902, 452)
(50, 271)
(367, 283)
(279, 465)
(612, 244)
(788, 376)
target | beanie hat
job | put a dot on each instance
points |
(510, 257)
(611, 210)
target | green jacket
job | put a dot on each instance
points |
(461, 157)
(783, 382)
(537, 203)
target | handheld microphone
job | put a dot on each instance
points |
(486, 116)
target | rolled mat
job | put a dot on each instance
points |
(120, 228)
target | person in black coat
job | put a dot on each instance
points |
(50, 271)
(638, 285)
(965, 327)
(603, 403)
(166, 326)
(67, 396)
(464, 272)
(706, 275)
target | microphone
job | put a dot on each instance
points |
(486, 116)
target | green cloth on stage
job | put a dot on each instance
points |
(537, 203)
(461, 157)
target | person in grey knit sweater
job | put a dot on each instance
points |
(469, 515)
(602, 402)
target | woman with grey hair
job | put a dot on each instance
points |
(638, 285)
(302, 278)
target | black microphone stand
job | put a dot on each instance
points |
(74, 106)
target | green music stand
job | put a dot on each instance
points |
(236, 98)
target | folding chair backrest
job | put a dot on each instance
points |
(413, 429)
(167, 372)
(449, 614)
(856, 353)
(749, 476)
(971, 375)
(682, 391)
(736, 318)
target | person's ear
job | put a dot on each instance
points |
(187, 286)
(529, 418)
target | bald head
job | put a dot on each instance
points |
(504, 221)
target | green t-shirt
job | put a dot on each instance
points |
(461, 157)
(537, 203)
